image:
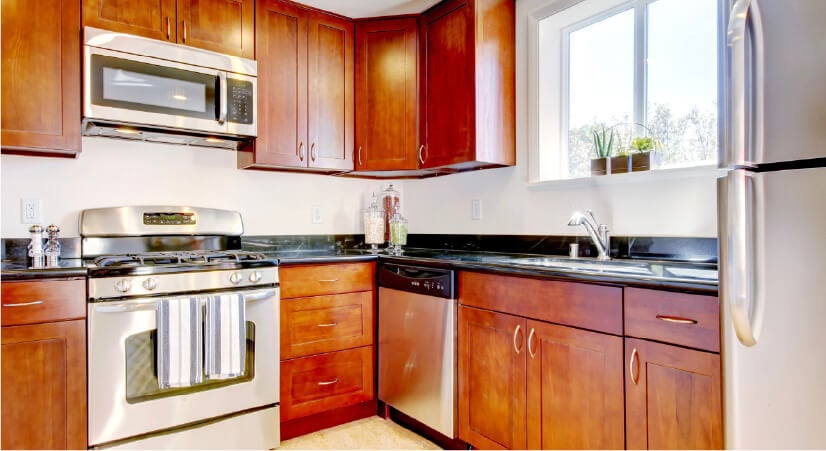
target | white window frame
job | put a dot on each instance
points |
(541, 171)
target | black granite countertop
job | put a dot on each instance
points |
(17, 270)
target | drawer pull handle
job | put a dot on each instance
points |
(635, 378)
(676, 319)
(329, 280)
(334, 381)
(327, 325)
(23, 304)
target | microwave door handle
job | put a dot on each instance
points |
(223, 97)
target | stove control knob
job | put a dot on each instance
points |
(150, 284)
(123, 285)
(236, 278)
(255, 276)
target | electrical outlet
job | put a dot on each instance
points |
(317, 215)
(31, 211)
(476, 210)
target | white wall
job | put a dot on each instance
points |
(116, 173)
(647, 204)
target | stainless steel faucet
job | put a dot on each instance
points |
(598, 232)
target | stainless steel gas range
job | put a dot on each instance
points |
(183, 331)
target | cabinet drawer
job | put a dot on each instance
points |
(324, 382)
(581, 305)
(326, 323)
(683, 319)
(42, 301)
(317, 280)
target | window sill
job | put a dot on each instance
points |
(710, 171)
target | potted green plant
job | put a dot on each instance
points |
(603, 146)
(621, 162)
(643, 153)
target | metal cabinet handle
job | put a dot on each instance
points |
(421, 154)
(184, 32)
(631, 364)
(23, 304)
(359, 155)
(301, 151)
(532, 352)
(676, 319)
(334, 381)
(327, 325)
(224, 88)
(329, 280)
(312, 151)
(516, 348)
(168, 28)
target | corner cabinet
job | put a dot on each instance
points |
(225, 26)
(387, 137)
(468, 85)
(44, 364)
(306, 90)
(40, 77)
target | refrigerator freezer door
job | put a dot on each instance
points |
(774, 74)
(774, 391)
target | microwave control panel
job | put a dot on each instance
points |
(240, 101)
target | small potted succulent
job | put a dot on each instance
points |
(621, 163)
(643, 156)
(604, 146)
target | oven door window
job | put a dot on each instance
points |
(142, 371)
(152, 88)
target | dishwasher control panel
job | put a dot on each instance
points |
(420, 280)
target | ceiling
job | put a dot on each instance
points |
(356, 9)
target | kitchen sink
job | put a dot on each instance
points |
(625, 268)
(586, 265)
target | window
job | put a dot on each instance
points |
(639, 68)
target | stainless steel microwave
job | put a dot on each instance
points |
(140, 88)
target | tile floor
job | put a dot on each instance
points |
(367, 433)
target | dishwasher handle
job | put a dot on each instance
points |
(436, 282)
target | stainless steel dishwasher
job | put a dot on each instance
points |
(417, 344)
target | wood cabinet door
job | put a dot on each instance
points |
(281, 40)
(40, 76)
(448, 59)
(386, 95)
(673, 397)
(225, 26)
(331, 100)
(44, 386)
(149, 18)
(575, 388)
(492, 379)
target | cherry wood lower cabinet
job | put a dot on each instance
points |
(44, 386)
(673, 397)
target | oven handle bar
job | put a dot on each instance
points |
(135, 305)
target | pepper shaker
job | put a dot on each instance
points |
(52, 247)
(36, 246)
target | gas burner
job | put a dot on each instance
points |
(176, 258)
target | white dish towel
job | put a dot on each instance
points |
(180, 330)
(226, 336)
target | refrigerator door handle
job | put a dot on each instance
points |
(747, 71)
(742, 254)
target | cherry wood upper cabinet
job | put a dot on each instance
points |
(305, 90)
(492, 378)
(331, 98)
(468, 84)
(40, 77)
(225, 26)
(387, 95)
(673, 397)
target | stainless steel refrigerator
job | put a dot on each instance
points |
(772, 223)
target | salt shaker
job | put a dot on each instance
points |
(52, 247)
(36, 246)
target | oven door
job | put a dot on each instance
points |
(124, 397)
(125, 88)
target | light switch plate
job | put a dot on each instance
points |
(31, 211)
(316, 215)
(476, 210)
